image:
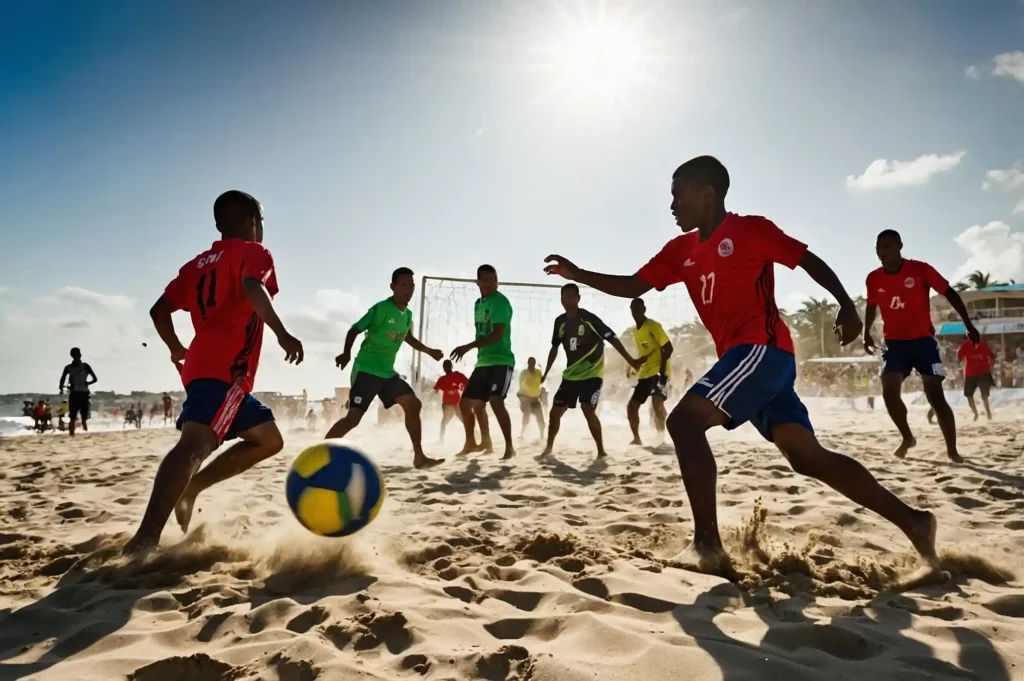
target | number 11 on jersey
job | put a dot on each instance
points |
(707, 288)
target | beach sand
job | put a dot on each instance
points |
(544, 571)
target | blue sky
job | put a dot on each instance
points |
(441, 135)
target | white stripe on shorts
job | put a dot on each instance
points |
(728, 380)
(751, 368)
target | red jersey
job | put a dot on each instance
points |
(903, 297)
(451, 387)
(229, 333)
(978, 359)
(731, 279)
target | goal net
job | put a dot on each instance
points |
(444, 320)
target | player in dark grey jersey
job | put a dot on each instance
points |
(79, 376)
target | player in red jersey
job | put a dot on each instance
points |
(227, 290)
(727, 263)
(451, 386)
(978, 360)
(900, 289)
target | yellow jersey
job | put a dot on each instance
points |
(529, 382)
(650, 338)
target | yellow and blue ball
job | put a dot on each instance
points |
(334, 490)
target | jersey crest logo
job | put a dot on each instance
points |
(909, 283)
(689, 263)
(391, 321)
(725, 247)
(581, 330)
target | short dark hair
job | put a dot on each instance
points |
(76, 351)
(889, 234)
(400, 272)
(486, 269)
(704, 171)
(571, 287)
(232, 207)
(638, 301)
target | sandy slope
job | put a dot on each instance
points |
(550, 571)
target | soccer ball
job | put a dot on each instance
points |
(334, 490)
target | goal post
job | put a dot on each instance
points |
(446, 306)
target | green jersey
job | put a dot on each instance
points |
(583, 338)
(494, 309)
(386, 328)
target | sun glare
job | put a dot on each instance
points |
(596, 59)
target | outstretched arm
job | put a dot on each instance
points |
(666, 352)
(258, 296)
(622, 286)
(342, 360)
(63, 377)
(416, 345)
(621, 349)
(490, 339)
(957, 303)
(848, 323)
(160, 313)
(91, 376)
(552, 356)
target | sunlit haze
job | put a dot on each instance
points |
(441, 136)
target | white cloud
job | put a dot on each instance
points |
(1019, 208)
(992, 248)
(3, 290)
(1009, 179)
(102, 301)
(973, 72)
(1009, 65)
(885, 174)
(326, 321)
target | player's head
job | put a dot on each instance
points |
(447, 366)
(699, 187)
(571, 297)
(888, 247)
(487, 280)
(403, 285)
(239, 216)
(531, 363)
(76, 354)
(638, 309)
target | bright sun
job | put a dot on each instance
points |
(601, 58)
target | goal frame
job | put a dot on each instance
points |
(417, 357)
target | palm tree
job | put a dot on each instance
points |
(813, 323)
(979, 280)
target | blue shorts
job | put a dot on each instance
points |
(755, 383)
(226, 408)
(920, 354)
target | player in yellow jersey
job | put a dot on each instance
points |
(529, 396)
(655, 350)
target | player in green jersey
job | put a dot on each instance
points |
(490, 380)
(583, 336)
(387, 325)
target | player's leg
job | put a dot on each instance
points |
(943, 413)
(538, 414)
(74, 408)
(260, 439)
(472, 409)
(365, 387)
(526, 410)
(895, 369)
(851, 479)
(565, 398)
(589, 392)
(970, 387)
(985, 385)
(501, 380)
(640, 394)
(86, 412)
(446, 416)
(397, 391)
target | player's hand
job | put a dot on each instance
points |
(292, 347)
(848, 325)
(561, 266)
(459, 352)
(342, 360)
(178, 354)
(869, 343)
(972, 334)
(635, 363)
(436, 354)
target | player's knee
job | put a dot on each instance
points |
(683, 422)
(272, 440)
(413, 406)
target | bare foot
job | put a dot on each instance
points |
(423, 462)
(976, 417)
(545, 454)
(471, 448)
(904, 447)
(707, 560)
(636, 441)
(139, 544)
(183, 511)
(509, 454)
(922, 536)
(956, 458)
(601, 454)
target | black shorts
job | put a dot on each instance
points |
(983, 382)
(78, 406)
(528, 404)
(587, 391)
(487, 382)
(654, 386)
(366, 386)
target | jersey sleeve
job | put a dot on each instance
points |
(872, 297)
(935, 280)
(599, 326)
(364, 322)
(437, 385)
(175, 292)
(665, 268)
(501, 313)
(658, 333)
(777, 245)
